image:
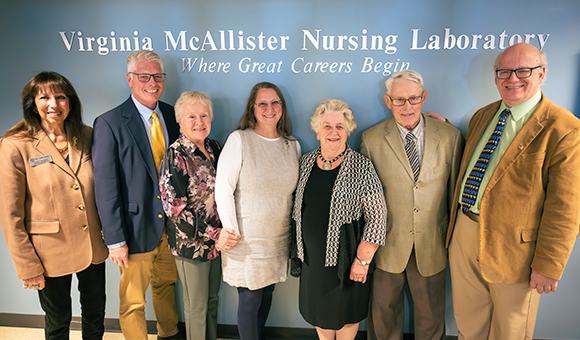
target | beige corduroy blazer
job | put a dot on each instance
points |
(417, 212)
(530, 209)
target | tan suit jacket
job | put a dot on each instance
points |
(530, 210)
(47, 209)
(417, 212)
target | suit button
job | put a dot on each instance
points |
(416, 187)
(415, 210)
(84, 227)
(160, 216)
(75, 187)
(81, 207)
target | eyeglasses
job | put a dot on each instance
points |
(521, 73)
(145, 77)
(402, 101)
(276, 105)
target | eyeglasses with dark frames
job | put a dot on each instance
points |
(145, 77)
(521, 73)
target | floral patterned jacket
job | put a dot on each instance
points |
(187, 183)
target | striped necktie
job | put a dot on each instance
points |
(474, 180)
(157, 141)
(411, 151)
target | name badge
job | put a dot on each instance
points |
(40, 160)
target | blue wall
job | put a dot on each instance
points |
(452, 43)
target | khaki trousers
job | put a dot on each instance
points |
(387, 315)
(201, 284)
(158, 268)
(483, 310)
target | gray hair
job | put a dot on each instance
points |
(407, 75)
(333, 105)
(142, 54)
(190, 98)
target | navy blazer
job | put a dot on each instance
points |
(126, 181)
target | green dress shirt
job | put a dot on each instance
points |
(514, 122)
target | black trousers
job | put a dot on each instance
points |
(55, 300)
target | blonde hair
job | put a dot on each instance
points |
(134, 57)
(190, 98)
(333, 105)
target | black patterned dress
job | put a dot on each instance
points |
(323, 303)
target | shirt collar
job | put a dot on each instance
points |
(144, 111)
(522, 109)
(417, 131)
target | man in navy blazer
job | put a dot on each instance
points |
(128, 198)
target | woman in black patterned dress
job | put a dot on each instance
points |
(340, 216)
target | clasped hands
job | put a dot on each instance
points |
(227, 240)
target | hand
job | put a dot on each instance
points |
(36, 283)
(120, 256)
(228, 239)
(543, 284)
(434, 115)
(358, 272)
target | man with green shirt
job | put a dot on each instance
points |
(518, 192)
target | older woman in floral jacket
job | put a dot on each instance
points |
(187, 180)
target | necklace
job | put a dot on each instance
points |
(327, 164)
(63, 149)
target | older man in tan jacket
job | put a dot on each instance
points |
(516, 211)
(417, 160)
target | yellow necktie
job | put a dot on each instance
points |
(157, 141)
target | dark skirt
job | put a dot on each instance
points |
(322, 300)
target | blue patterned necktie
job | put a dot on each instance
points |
(411, 151)
(474, 180)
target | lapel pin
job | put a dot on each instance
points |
(75, 141)
(521, 147)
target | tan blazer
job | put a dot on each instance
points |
(417, 213)
(530, 210)
(47, 208)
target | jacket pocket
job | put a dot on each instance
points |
(43, 227)
(529, 235)
(440, 168)
(133, 207)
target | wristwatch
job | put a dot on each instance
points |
(363, 262)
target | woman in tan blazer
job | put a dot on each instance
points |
(47, 205)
